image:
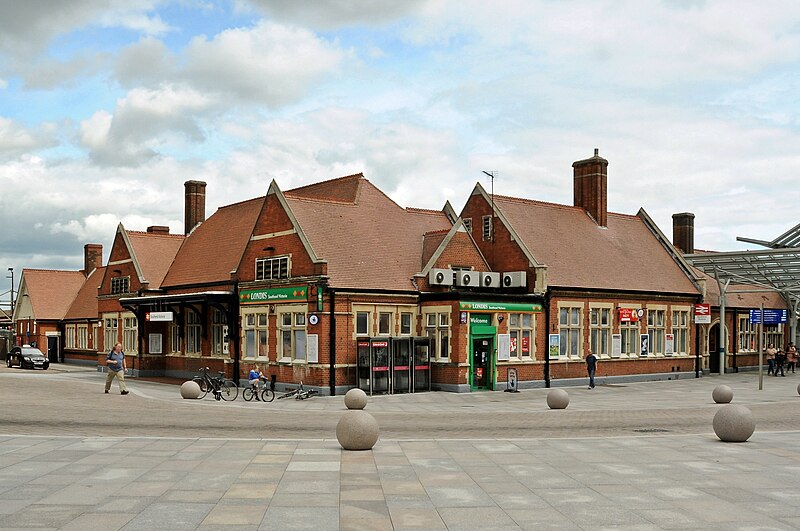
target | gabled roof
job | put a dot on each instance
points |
(436, 242)
(51, 292)
(153, 254)
(367, 239)
(84, 306)
(214, 248)
(578, 253)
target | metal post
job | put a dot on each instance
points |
(722, 333)
(761, 348)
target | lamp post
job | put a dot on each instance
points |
(11, 270)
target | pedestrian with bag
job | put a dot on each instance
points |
(780, 361)
(770, 359)
(791, 357)
(591, 367)
(115, 362)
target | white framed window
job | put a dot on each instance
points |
(406, 320)
(218, 340)
(129, 335)
(600, 322)
(69, 336)
(487, 228)
(437, 326)
(272, 268)
(292, 331)
(82, 337)
(174, 338)
(680, 330)
(656, 329)
(110, 330)
(631, 332)
(774, 335)
(570, 329)
(385, 323)
(362, 323)
(748, 335)
(120, 285)
(255, 328)
(521, 329)
(193, 331)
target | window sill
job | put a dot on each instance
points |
(285, 361)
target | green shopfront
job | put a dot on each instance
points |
(486, 345)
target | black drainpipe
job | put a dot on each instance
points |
(735, 343)
(697, 351)
(547, 336)
(332, 375)
(233, 330)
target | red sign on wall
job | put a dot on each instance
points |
(526, 344)
(628, 315)
(702, 313)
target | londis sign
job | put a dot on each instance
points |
(499, 307)
(273, 295)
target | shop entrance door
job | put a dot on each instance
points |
(481, 363)
(713, 349)
(53, 349)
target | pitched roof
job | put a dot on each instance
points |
(51, 292)
(154, 252)
(84, 306)
(214, 248)
(578, 253)
(367, 239)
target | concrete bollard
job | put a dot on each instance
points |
(734, 423)
(798, 389)
(557, 399)
(357, 429)
(190, 390)
(722, 394)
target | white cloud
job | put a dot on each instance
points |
(269, 63)
(16, 139)
(332, 14)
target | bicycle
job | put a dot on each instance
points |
(300, 393)
(266, 394)
(220, 387)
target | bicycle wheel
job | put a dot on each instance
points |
(247, 394)
(203, 386)
(267, 395)
(228, 390)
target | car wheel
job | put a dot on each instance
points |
(8, 362)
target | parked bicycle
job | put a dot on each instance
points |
(220, 387)
(300, 393)
(265, 395)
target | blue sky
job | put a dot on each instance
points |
(108, 106)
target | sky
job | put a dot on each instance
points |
(108, 106)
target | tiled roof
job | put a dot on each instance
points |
(369, 241)
(84, 306)
(343, 189)
(51, 292)
(770, 299)
(580, 254)
(214, 248)
(154, 252)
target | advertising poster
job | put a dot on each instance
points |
(503, 347)
(555, 346)
(616, 345)
(154, 346)
(669, 347)
(645, 345)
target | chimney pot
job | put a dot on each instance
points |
(195, 206)
(590, 187)
(683, 232)
(158, 229)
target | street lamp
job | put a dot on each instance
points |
(11, 270)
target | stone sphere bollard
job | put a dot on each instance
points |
(190, 390)
(734, 423)
(357, 430)
(557, 399)
(355, 399)
(722, 394)
(798, 389)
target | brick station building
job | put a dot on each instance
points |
(336, 286)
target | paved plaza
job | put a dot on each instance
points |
(632, 456)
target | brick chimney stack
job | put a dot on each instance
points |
(92, 257)
(195, 209)
(683, 232)
(591, 187)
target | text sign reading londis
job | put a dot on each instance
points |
(259, 296)
(499, 307)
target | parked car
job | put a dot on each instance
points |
(27, 357)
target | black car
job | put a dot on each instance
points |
(27, 358)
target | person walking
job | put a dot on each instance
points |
(591, 367)
(771, 359)
(115, 361)
(791, 357)
(780, 361)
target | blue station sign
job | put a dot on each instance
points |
(770, 316)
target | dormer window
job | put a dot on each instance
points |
(120, 285)
(272, 268)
